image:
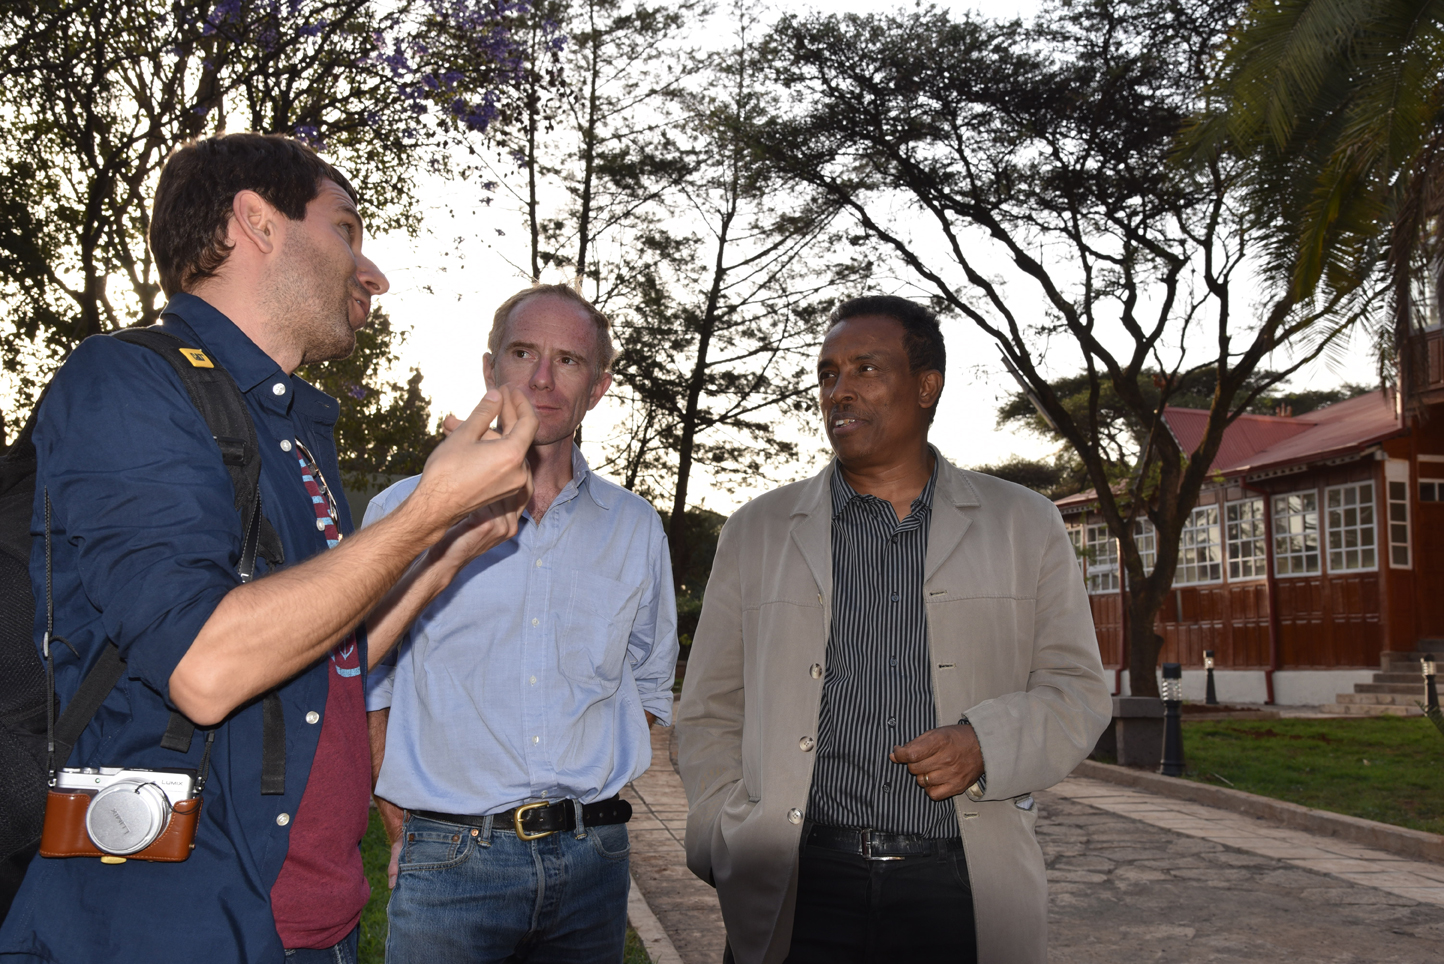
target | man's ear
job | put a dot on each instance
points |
(930, 386)
(254, 224)
(488, 365)
(599, 388)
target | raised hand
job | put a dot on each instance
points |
(475, 465)
(482, 530)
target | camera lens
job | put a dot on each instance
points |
(125, 818)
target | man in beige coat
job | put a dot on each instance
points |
(892, 656)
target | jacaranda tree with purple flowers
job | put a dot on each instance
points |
(95, 94)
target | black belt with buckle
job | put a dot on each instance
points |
(876, 845)
(532, 821)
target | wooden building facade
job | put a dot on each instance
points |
(1317, 545)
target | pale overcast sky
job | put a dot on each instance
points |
(446, 283)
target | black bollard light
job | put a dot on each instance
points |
(1431, 692)
(1172, 720)
(1210, 695)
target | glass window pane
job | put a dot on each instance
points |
(1350, 525)
(1296, 533)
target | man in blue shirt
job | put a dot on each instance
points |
(258, 245)
(520, 700)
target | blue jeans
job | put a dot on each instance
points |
(342, 953)
(469, 895)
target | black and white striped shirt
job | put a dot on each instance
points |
(878, 691)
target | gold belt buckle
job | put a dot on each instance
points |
(516, 822)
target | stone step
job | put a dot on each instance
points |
(1403, 689)
(1387, 699)
(1404, 679)
(1369, 709)
(1403, 662)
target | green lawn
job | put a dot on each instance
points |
(375, 854)
(1389, 769)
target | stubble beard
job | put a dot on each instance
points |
(304, 301)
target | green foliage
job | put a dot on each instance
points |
(1435, 716)
(96, 94)
(383, 425)
(1064, 475)
(1380, 768)
(701, 528)
(635, 952)
(375, 855)
(1336, 109)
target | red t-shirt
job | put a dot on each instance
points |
(322, 888)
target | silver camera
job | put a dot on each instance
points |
(129, 808)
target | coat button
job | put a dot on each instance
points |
(278, 389)
(806, 744)
(794, 815)
(313, 717)
(284, 818)
(816, 671)
(285, 445)
(321, 525)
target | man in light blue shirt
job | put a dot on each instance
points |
(520, 700)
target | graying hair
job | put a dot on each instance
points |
(606, 353)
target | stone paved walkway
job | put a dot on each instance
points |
(1132, 877)
(685, 906)
(1179, 882)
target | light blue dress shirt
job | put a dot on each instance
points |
(527, 678)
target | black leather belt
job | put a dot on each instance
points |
(532, 821)
(875, 845)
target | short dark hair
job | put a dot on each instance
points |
(200, 181)
(922, 335)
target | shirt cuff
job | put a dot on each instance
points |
(979, 789)
(660, 708)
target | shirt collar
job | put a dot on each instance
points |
(581, 481)
(240, 356)
(844, 494)
(244, 359)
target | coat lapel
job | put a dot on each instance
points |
(954, 493)
(812, 528)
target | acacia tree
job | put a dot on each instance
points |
(95, 95)
(1020, 173)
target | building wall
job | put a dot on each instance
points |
(1416, 602)
(1326, 620)
(1292, 687)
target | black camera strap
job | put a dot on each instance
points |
(62, 734)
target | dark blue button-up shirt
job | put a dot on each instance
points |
(146, 538)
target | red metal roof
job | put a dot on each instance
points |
(1258, 443)
(1255, 443)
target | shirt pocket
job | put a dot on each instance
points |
(593, 634)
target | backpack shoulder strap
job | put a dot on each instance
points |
(217, 397)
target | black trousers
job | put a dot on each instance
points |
(856, 911)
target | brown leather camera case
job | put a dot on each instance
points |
(64, 833)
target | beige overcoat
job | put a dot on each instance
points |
(1011, 647)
